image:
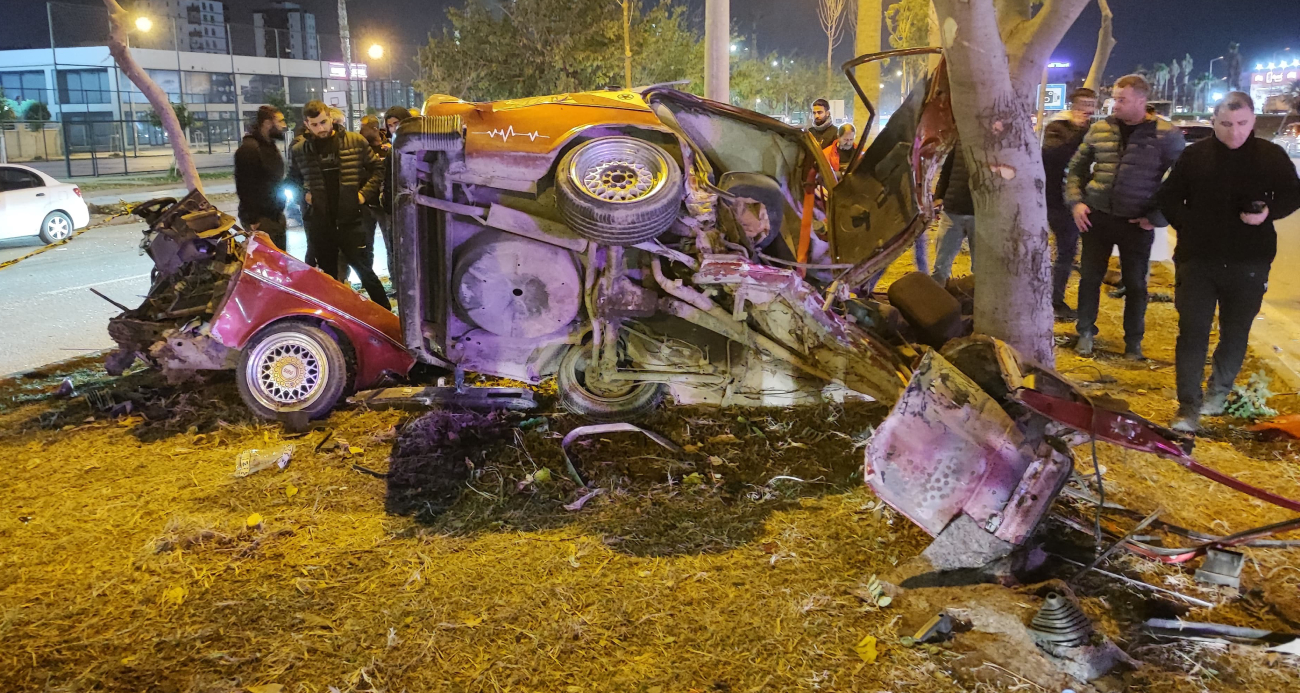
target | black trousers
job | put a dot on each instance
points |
(1237, 288)
(326, 241)
(271, 226)
(1134, 243)
(1066, 235)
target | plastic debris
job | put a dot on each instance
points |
(66, 389)
(253, 461)
(866, 649)
(577, 505)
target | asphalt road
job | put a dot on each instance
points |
(47, 312)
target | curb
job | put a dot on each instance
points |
(53, 365)
(1275, 339)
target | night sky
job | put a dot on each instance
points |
(1148, 31)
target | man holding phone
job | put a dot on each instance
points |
(1222, 198)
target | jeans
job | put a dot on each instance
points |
(952, 229)
(1066, 234)
(349, 240)
(383, 219)
(1238, 290)
(1134, 244)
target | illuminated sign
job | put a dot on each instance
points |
(1274, 76)
(339, 71)
(1056, 64)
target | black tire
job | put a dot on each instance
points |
(636, 401)
(318, 379)
(766, 191)
(55, 227)
(618, 190)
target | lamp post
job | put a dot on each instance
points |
(376, 53)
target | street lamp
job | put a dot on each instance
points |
(376, 51)
(1212, 65)
(143, 23)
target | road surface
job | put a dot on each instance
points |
(48, 312)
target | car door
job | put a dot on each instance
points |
(24, 200)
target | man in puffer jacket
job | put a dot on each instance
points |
(340, 174)
(1111, 189)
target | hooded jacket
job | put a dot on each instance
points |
(1061, 139)
(1121, 177)
(359, 171)
(954, 184)
(259, 174)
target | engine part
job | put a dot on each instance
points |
(1059, 623)
(1221, 567)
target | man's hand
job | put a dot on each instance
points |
(1081, 213)
(1255, 219)
(307, 198)
(1144, 223)
(361, 198)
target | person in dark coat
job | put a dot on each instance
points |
(823, 128)
(957, 222)
(1111, 189)
(1222, 198)
(259, 177)
(339, 174)
(1061, 139)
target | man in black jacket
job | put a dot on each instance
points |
(957, 223)
(823, 128)
(1061, 139)
(340, 174)
(259, 176)
(1222, 198)
(1111, 188)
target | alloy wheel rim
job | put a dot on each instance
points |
(288, 371)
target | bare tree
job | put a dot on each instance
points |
(835, 16)
(996, 52)
(1105, 44)
(118, 19)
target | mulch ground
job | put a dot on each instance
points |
(406, 553)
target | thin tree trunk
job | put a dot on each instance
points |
(627, 44)
(994, 89)
(1105, 44)
(118, 20)
(867, 40)
(830, 68)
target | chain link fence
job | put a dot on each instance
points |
(72, 113)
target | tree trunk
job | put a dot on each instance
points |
(1105, 44)
(118, 20)
(627, 44)
(830, 67)
(994, 88)
(867, 40)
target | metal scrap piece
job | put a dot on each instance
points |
(597, 429)
(1221, 567)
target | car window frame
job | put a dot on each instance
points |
(6, 170)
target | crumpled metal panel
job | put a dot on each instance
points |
(948, 448)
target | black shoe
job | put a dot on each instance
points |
(1134, 354)
(1118, 293)
(1064, 313)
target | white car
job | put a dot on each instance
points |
(34, 204)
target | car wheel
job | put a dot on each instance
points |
(292, 367)
(602, 401)
(619, 190)
(56, 227)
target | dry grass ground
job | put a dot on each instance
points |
(133, 560)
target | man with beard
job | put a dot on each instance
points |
(259, 175)
(1061, 139)
(823, 129)
(340, 175)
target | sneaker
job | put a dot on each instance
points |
(1186, 421)
(1064, 313)
(1214, 404)
(1084, 345)
(1134, 354)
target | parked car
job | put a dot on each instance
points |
(34, 204)
(1288, 137)
(1195, 131)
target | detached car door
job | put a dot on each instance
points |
(24, 200)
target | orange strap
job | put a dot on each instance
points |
(805, 223)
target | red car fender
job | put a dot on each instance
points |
(274, 285)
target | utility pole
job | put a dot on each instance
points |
(717, 50)
(346, 39)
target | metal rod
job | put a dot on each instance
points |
(1097, 561)
(1139, 583)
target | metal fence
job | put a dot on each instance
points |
(79, 116)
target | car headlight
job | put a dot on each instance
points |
(288, 194)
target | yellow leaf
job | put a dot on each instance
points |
(253, 520)
(473, 621)
(290, 491)
(691, 448)
(866, 649)
(355, 450)
(266, 688)
(174, 595)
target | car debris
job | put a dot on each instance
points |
(599, 429)
(250, 462)
(1217, 632)
(1221, 567)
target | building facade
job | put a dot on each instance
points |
(198, 26)
(284, 30)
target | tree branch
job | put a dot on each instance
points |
(1105, 44)
(157, 98)
(1031, 41)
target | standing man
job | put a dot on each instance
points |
(823, 128)
(1222, 198)
(957, 221)
(1111, 188)
(340, 174)
(839, 154)
(259, 175)
(1061, 139)
(394, 117)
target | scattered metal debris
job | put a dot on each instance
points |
(598, 429)
(1221, 567)
(1216, 632)
(1060, 623)
(513, 398)
(253, 461)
